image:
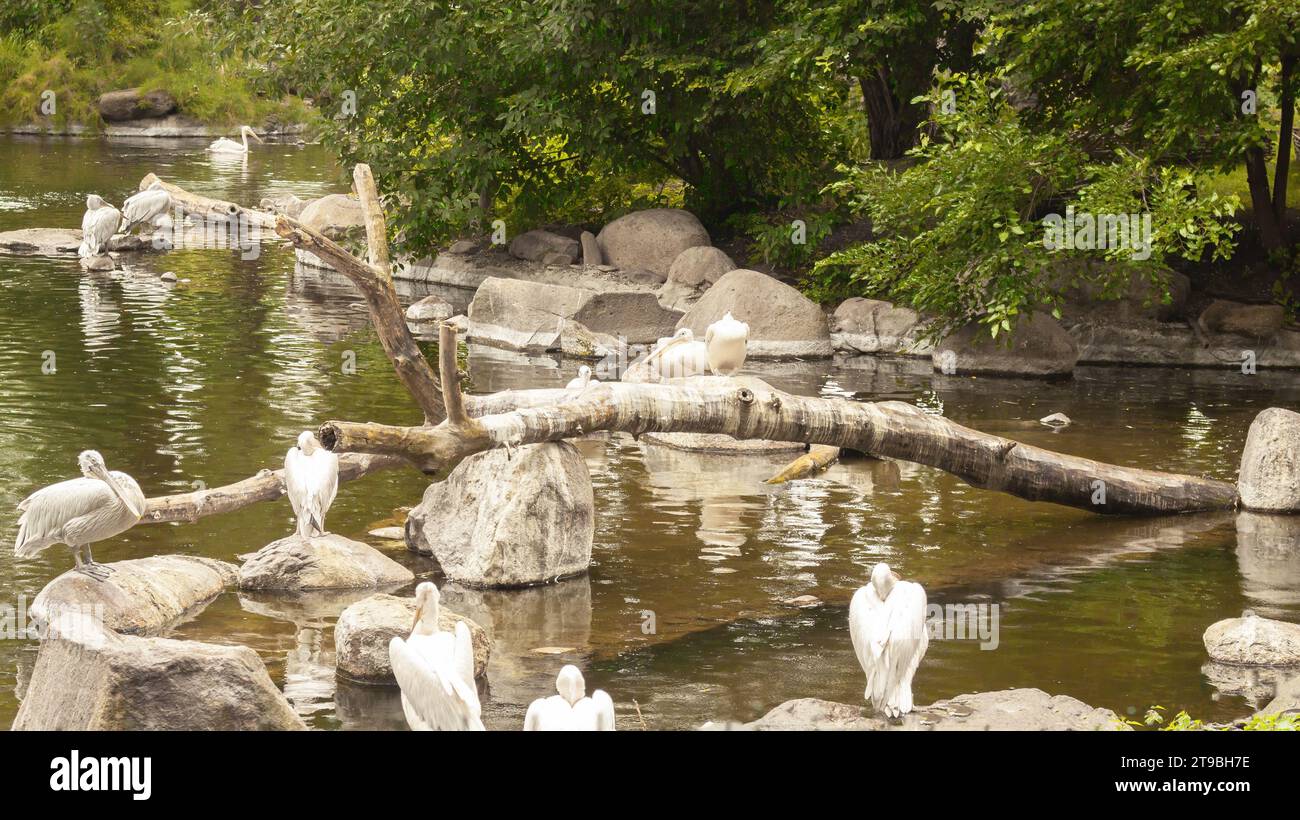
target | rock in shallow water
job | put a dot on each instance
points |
(1253, 641)
(1037, 347)
(782, 321)
(365, 628)
(141, 596)
(1269, 479)
(325, 562)
(509, 518)
(90, 679)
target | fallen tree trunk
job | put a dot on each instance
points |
(818, 458)
(268, 485)
(199, 205)
(715, 404)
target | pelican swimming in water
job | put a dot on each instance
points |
(311, 479)
(583, 380)
(79, 512)
(97, 226)
(435, 670)
(571, 710)
(149, 207)
(678, 357)
(726, 341)
(229, 146)
(888, 630)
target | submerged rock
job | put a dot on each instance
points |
(1037, 346)
(782, 321)
(41, 241)
(1009, 710)
(873, 326)
(141, 596)
(102, 262)
(1253, 641)
(364, 629)
(430, 309)
(91, 679)
(327, 561)
(1269, 478)
(650, 239)
(506, 518)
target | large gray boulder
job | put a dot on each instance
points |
(782, 321)
(530, 316)
(873, 326)
(337, 216)
(430, 309)
(650, 239)
(1237, 319)
(1269, 478)
(509, 518)
(132, 104)
(91, 679)
(365, 628)
(291, 205)
(1253, 641)
(327, 561)
(694, 271)
(535, 246)
(1078, 280)
(142, 596)
(1037, 347)
(1009, 710)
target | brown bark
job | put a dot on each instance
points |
(204, 206)
(818, 458)
(372, 211)
(885, 429)
(1286, 100)
(1261, 202)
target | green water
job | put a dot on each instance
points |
(212, 379)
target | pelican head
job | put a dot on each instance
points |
(682, 336)
(248, 129)
(883, 579)
(584, 373)
(156, 185)
(92, 466)
(426, 608)
(570, 685)
(307, 442)
(93, 203)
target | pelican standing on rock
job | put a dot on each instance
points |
(97, 226)
(435, 670)
(311, 479)
(678, 357)
(80, 512)
(229, 146)
(888, 630)
(571, 710)
(147, 207)
(726, 341)
(583, 380)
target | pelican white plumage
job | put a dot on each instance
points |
(79, 512)
(229, 146)
(888, 630)
(435, 670)
(311, 479)
(571, 710)
(97, 226)
(148, 207)
(678, 357)
(726, 341)
(583, 380)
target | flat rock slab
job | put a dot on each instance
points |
(90, 679)
(364, 630)
(326, 562)
(1253, 641)
(142, 596)
(1009, 710)
(41, 241)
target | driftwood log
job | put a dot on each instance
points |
(199, 205)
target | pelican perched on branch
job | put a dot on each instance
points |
(147, 207)
(888, 630)
(229, 146)
(311, 479)
(726, 340)
(571, 710)
(678, 357)
(97, 226)
(583, 380)
(79, 512)
(435, 670)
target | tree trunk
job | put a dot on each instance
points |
(885, 429)
(1286, 100)
(891, 122)
(372, 211)
(1261, 202)
(206, 207)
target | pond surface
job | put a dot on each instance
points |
(681, 617)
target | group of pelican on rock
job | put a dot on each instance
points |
(681, 355)
(102, 504)
(149, 208)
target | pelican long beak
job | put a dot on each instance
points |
(419, 613)
(894, 575)
(661, 351)
(130, 504)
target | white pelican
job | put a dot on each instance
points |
(228, 146)
(79, 512)
(436, 671)
(680, 356)
(725, 340)
(571, 711)
(311, 479)
(887, 626)
(97, 226)
(584, 378)
(148, 207)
